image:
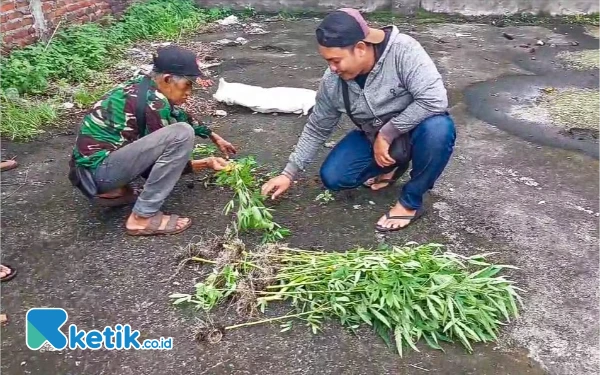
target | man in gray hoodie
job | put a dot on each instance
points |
(390, 88)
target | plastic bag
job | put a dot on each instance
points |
(266, 100)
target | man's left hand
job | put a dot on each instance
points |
(381, 150)
(226, 147)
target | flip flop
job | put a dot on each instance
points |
(390, 181)
(154, 223)
(13, 273)
(411, 218)
(7, 165)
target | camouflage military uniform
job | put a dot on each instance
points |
(111, 123)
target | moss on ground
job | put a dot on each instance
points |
(573, 108)
(581, 60)
(593, 31)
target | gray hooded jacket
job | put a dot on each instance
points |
(404, 82)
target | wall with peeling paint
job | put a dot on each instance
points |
(464, 7)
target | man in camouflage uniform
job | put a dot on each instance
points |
(116, 150)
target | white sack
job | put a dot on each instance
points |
(266, 100)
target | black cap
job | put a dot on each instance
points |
(177, 61)
(345, 27)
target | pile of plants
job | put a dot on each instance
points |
(404, 293)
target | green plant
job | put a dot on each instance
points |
(23, 119)
(251, 211)
(203, 150)
(76, 51)
(325, 197)
(405, 293)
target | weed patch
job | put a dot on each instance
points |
(77, 51)
(24, 118)
(77, 54)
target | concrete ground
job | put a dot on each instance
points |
(517, 185)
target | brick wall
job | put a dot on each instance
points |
(22, 22)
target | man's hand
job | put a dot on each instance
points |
(225, 147)
(278, 184)
(381, 150)
(214, 163)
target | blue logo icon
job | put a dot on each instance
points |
(43, 327)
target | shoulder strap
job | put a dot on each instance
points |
(140, 108)
(346, 96)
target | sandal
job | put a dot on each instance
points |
(411, 218)
(390, 181)
(7, 165)
(124, 200)
(154, 223)
(11, 275)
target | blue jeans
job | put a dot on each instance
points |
(351, 162)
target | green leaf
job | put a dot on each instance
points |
(383, 332)
(432, 309)
(380, 317)
(462, 337)
(398, 339)
(432, 341)
(420, 311)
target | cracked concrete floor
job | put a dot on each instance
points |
(531, 199)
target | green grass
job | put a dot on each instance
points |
(24, 119)
(77, 51)
(77, 54)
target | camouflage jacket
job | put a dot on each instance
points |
(111, 123)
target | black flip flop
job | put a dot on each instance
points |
(390, 181)
(13, 273)
(411, 218)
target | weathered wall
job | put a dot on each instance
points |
(24, 21)
(465, 7)
(488, 7)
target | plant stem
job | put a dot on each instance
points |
(197, 259)
(274, 319)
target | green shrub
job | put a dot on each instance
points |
(77, 50)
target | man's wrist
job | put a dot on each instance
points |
(291, 170)
(389, 132)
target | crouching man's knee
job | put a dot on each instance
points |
(183, 132)
(330, 179)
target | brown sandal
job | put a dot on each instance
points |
(154, 223)
(129, 198)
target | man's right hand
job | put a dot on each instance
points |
(212, 162)
(278, 185)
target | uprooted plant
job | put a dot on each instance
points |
(408, 292)
(252, 214)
